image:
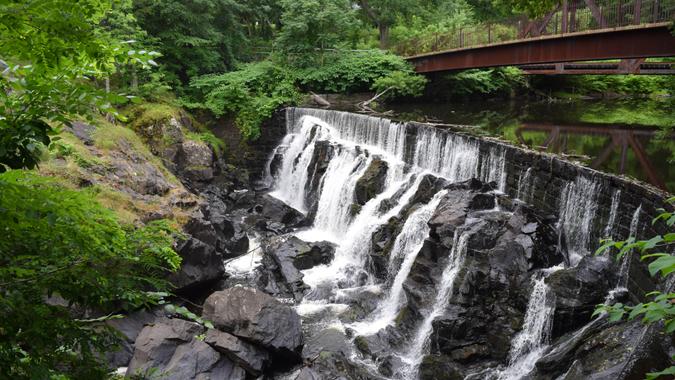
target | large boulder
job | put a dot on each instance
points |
(272, 210)
(201, 264)
(257, 317)
(130, 169)
(573, 309)
(251, 358)
(129, 326)
(195, 160)
(372, 181)
(170, 350)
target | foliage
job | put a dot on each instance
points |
(634, 85)
(256, 90)
(399, 83)
(662, 306)
(196, 36)
(67, 265)
(51, 52)
(208, 137)
(253, 93)
(351, 71)
(315, 24)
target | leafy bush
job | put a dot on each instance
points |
(253, 93)
(67, 265)
(399, 83)
(256, 90)
(351, 71)
(494, 82)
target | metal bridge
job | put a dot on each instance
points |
(623, 32)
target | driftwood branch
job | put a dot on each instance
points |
(318, 99)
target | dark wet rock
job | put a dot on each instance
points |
(328, 340)
(319, 253)
(372, 181)
(578, 290)
(450, 214)
(169, 349)
(381, 243)
(482, 201)
(323, 153)
(284, 255)
(428, 187)
(333, 365)
(129, 326)
(257, 317)
(270, 209)
(201, 264)
(439, 367)
(245, 355)
(625, 350)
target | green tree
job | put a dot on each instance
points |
(51, 53)
(66, 266)
(383, 14)
(661, 308)
(195, 36)
(309, 25)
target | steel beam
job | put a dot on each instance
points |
(653, 40)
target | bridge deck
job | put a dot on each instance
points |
(635, 41)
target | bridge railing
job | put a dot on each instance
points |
(570, 16)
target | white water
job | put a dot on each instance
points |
(529, 344)
(578, 209)
(626, 259)
(524, 186)
(609, 228)
(407, 245)
(444, 290)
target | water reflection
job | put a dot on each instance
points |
(617, 142)
(622, 137)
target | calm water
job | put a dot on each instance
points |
(623, 137)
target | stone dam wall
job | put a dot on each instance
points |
(599, 203)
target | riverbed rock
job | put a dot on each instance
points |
(195, 160)
(201, 264)
(257, 317)
(169, 349)
(129, 326)
(246, 355)
(578, 290)
(372, 181)
(270, 209)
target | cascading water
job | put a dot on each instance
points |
(578, 208)
(613, 210)
(626, 259)
(532, 340)
(356, 141)
(413, 357)
(407, 245)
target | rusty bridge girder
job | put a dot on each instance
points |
(639, 41)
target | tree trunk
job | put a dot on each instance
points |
(134, 79)
(384, 36)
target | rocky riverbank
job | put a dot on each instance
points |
(388, 270)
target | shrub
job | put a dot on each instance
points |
(67, 265)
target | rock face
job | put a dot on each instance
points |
(247, 356)
(201, 264)
(170, 350)
(255, 316)
(372, 181)
(195, 160)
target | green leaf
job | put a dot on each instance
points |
(664, 264)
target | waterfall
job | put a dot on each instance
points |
(626, 259)
(407, 245)
(493, 168)
(414, 356)
(337, 193)
(529, 344)
(616, 199)
(294, 173)
(524, 186)
(578, 208)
